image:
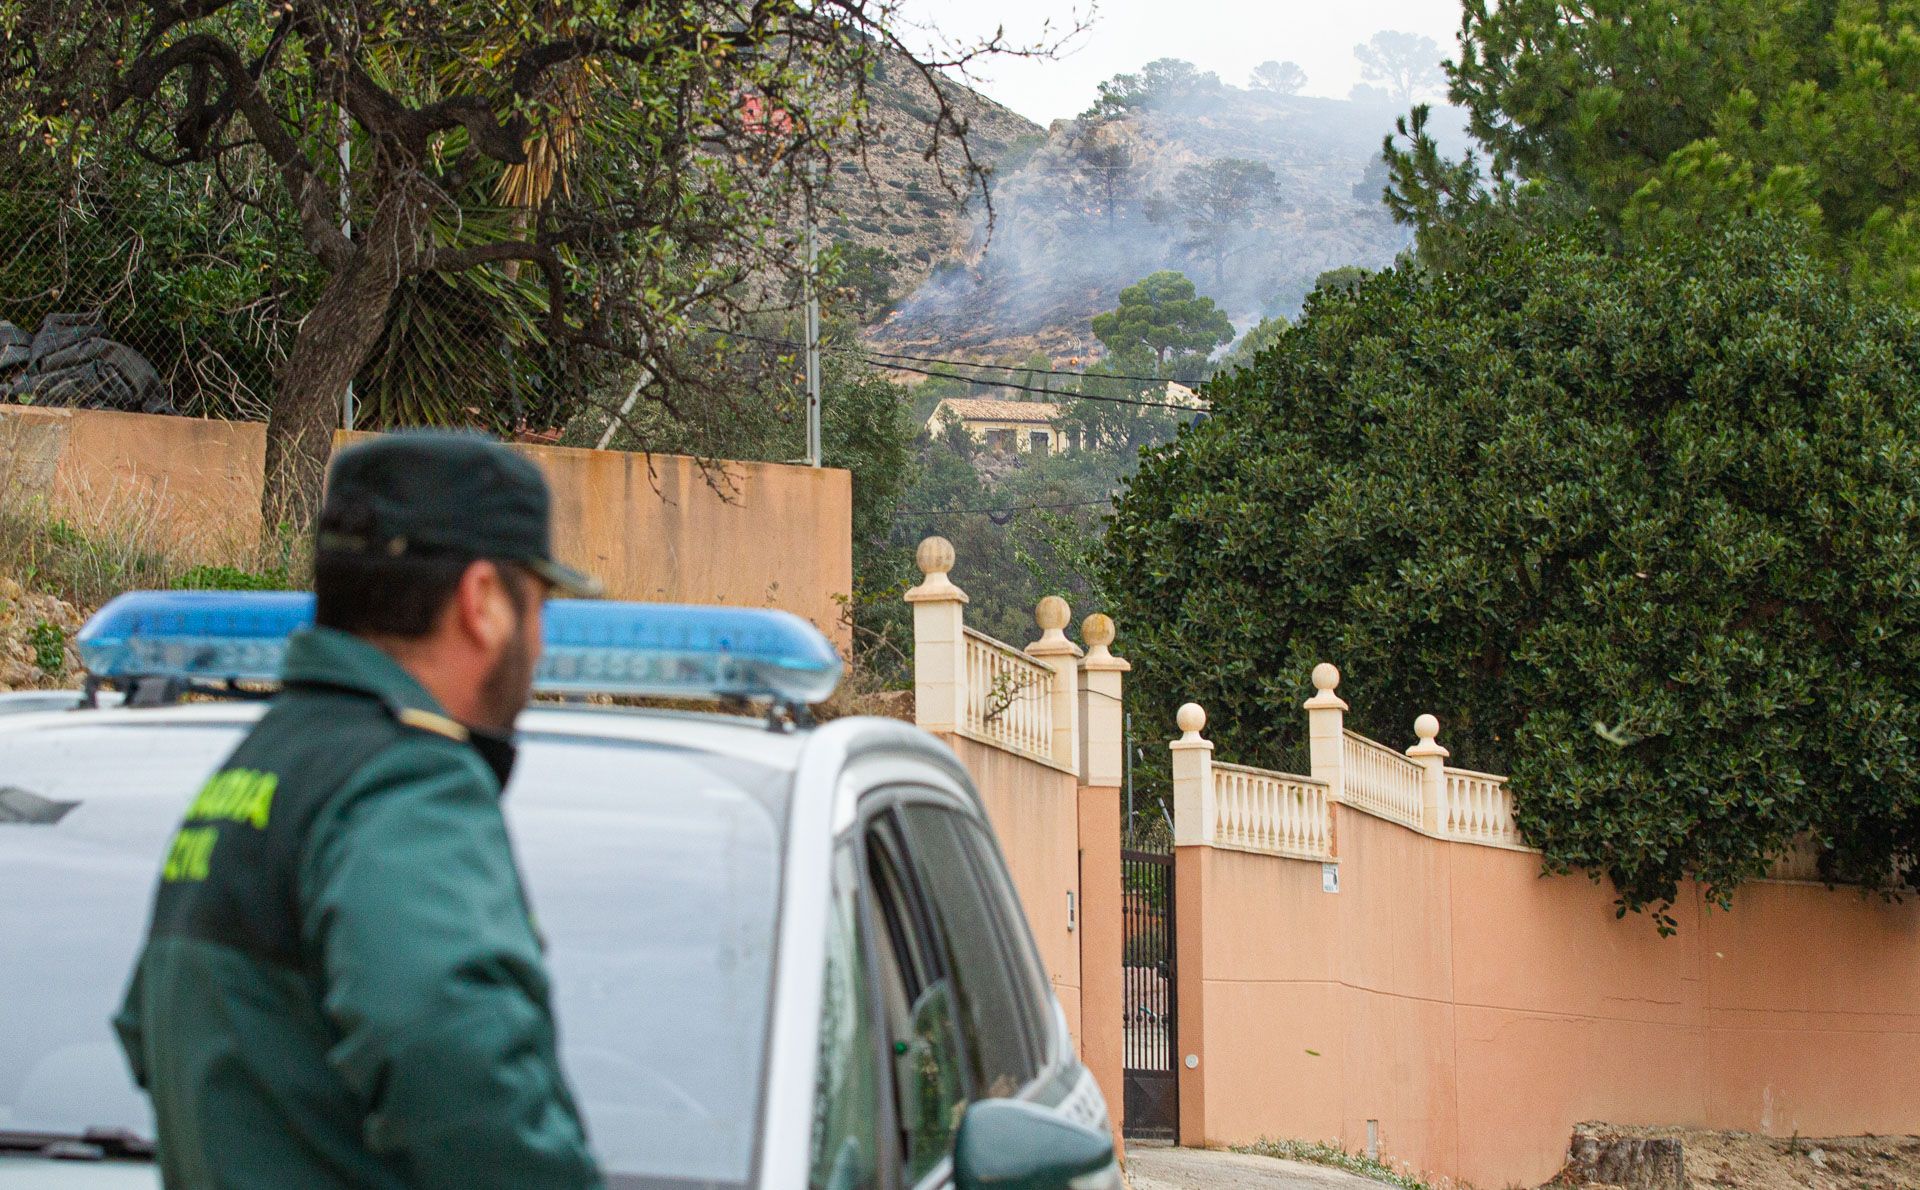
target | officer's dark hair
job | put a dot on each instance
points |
(370, 593)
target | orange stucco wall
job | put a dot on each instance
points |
(175, 481)
(1035, 810)
(764, 534)
(660, 527)
(1102, 1004)
(1478, 1010)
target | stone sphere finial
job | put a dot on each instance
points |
(1326, 676)
(1052, 613)
(1426, 727)
(935, 556)
(1097, 630)
(1191, 717)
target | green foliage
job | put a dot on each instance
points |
(49, 644)
(1343, 280)
(202, 287)
(1405, 65)
(1263, 335)
(1160, 82)
(862, 280)
(1315, 1152)
(1281, 78)
(232, 578)
(580, 179)
(1163, 315)
(1121, 414)
(1666, 118)
(1643, 532)
(1008, 560)
(1217, 202)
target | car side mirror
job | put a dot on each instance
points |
(1009, 1144)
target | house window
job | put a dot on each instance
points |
(1038, 441)
(1000, 441)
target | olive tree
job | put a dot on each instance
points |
(629, 161)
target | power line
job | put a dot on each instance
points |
(873, 354)
(1045, 392)
(877, 360)
(960, 363)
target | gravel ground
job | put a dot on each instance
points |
(1162, 1167)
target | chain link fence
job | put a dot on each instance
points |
(182, 302)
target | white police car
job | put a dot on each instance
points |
(781, 957)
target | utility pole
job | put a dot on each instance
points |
(813, 335)
(347, 410)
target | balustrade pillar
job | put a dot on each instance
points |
(1326, 731)
(1103, 724)
(1062, 656)
(1432, 759)
(1194, 811)
(939, 641)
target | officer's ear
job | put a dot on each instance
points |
(485, 609)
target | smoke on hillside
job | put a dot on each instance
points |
(1102, 204)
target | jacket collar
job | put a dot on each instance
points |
(340, 660)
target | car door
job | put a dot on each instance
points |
(931, 998)
(893, 1079)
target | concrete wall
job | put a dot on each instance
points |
(190, 485)
(662, 528)
(1102, 947)
(654, 528)
(1478, 1010)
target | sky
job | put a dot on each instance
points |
(1229, 37)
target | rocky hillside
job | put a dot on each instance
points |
(1098, 204)
(901, 201)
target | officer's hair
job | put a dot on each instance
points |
(372, 595)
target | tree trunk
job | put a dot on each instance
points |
(333, 344)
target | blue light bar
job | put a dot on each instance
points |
(591, 647)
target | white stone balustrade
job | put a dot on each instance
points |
(1247, 809)
(1381, 781)
(1009, 697)
(1244, 809)
(1479, 809)
(1040, 702)
(1277, 813)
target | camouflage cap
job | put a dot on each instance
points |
(437, 493)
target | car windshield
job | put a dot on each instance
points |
(653, 873)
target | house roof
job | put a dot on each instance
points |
(987, 409)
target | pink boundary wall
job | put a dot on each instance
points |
(1478, 1010)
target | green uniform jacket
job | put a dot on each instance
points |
(342, 985)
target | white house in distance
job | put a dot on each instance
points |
(1007, 427)
(1025, 427)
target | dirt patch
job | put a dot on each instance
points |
(1725, 1160)
(36, 639)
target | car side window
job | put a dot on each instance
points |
(846, 1104)
(930, 1087)
(1001, 1009)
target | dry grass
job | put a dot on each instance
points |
(60, 561)
(123, 541)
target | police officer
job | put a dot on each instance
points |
(342, 985)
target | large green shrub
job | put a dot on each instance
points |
(1643, 532)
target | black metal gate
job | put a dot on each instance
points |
(1151, 1042)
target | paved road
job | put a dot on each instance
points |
(1159, 1167)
